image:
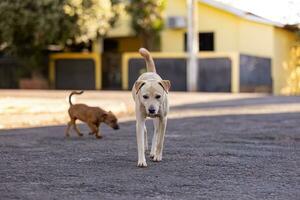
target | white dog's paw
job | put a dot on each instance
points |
(157, 158)
(142, 164)
(152, 155)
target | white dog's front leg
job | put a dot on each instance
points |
(160, 139)
(146, 139)
(140, 128)
(154, 138)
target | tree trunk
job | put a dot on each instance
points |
(148, 41)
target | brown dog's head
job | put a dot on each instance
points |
(111, 120)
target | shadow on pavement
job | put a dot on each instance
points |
(266, 100)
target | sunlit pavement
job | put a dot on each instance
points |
(217, 146)
(32, 108)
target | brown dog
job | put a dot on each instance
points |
(93, 116)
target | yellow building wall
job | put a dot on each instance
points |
(283, 41)
(175, 8)
(255, 38)
(129, 44)
(232, 34)
(223, 24)
(172, 40)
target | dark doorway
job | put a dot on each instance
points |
(111, 65)
(206, 41)
(255, 74)
(173, 69)
(113, 48)
(214, 75)
(75, 74)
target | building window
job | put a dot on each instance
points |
(206, 41)
(110, 45)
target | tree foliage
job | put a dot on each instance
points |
(29, 26)
(147, 19)
(292, 67)
(93, 17)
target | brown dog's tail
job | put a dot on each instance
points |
(149, 60)
(72, 93)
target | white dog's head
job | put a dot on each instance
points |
(151, 94)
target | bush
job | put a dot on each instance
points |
(28, 27)
(147, 20)
(292, 67)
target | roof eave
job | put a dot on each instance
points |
(240, 13)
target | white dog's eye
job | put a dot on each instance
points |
(157, 96)
(145, 96)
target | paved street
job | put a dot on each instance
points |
(246, 148)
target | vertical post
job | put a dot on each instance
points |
(97, 45)
(52, 72)
(97, 49)
(192, 45)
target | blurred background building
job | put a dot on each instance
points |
(239, 51)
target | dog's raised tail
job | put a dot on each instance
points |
(72, 93)
(149, 60)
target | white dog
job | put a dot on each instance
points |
(151, 100)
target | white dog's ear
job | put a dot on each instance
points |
(166, 84)
(138, 85)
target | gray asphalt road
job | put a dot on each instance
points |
(216, 157)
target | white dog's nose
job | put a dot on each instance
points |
(151, 110)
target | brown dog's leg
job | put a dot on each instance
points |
(92, 128)
(76, 128)
(68, 129)
(95, 130)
